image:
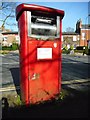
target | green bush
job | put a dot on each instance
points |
(86, 50)
(14, 46)
(71, 47)
(65, 51)
(78, 51)
(65, 48)
(6, 48)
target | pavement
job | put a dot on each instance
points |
(75, 80)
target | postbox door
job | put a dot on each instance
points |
(44, 70)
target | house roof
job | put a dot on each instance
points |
(11, 32)
(87, 26)
(63, 33)
(69, 33)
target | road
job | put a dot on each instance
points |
(10, 69)
(74, 68)
(75, 72)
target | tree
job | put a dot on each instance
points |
(7, 13)
(69, 29)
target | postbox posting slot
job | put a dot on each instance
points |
(43, 27)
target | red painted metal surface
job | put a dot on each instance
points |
(32, 7)
(47, 83)
(40, 79)
(22, 24)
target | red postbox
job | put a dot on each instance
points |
(40, 30)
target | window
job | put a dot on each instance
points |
(17, 38)
(4, 38)
(78, 38)
(83, 36)
(74, 38)
(43, 26)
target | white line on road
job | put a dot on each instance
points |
(10, 63)
(80, 62)
(9, 88)
(75, 81)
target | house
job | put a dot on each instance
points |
(84, 31)
(70, 39)
(9, 37)
(80, 37)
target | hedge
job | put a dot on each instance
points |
(14, 46)
(77, 50)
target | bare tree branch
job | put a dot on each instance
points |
(7, 11)
(3, 6)
(10, 24)
(69, 29)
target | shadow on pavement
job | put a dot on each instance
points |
(73, 106)
(16, 77)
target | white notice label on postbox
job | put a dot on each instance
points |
(44, 53)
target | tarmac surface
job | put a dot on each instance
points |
(75, 80)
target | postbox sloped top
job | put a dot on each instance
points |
(31, 7)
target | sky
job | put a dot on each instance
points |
(73, 12)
